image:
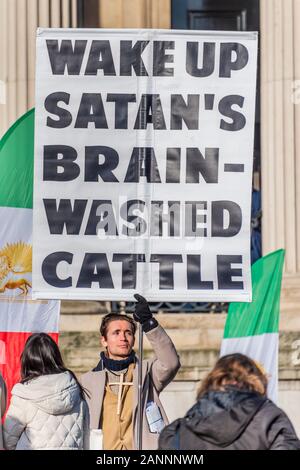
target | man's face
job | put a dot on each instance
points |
(119, 339)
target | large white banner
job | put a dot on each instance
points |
(143, 164)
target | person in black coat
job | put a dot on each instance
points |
(232, 413)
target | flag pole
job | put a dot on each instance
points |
(140, 390)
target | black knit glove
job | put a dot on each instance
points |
(143, 314)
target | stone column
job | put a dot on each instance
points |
(19, 20)
(280, 141)
(135, 14)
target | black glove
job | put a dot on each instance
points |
(143, 314)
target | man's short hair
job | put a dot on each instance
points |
(110, 317)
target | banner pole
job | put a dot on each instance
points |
(140, 390)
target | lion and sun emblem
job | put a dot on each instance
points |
(15, 267)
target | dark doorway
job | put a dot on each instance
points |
(229, 15)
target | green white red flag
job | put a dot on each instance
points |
(20, 315)
(253, 328)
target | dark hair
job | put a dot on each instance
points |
(110, 317)
(41, 356)
(235, 370)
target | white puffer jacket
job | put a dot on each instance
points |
(47, 413)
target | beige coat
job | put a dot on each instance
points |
(157, 374)
(3, 406)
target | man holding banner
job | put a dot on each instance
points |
(113, 383)
(147, 190)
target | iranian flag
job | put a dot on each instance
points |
(252, 329)
(20, 315)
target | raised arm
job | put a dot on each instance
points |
(166, 363)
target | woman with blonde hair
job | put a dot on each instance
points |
(232, 412)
